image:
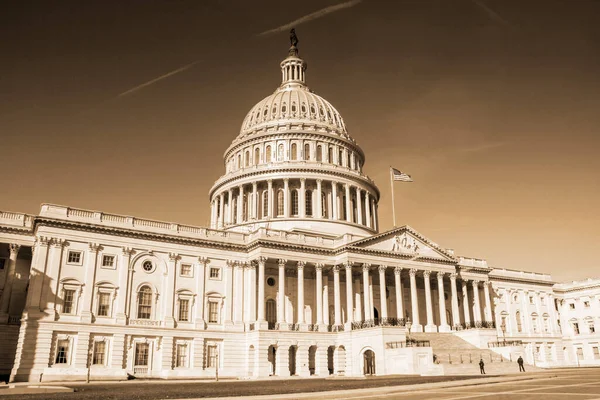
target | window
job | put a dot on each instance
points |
(591, 326)
(546, 326)
(148, 266)
(295, 203)
(74, 257)
(215, 273)
(247, 156)
(62, 351)
(324, 205)
(306, 151)
(99, 352)
(108, 261)
(239, 161)
(184, 310)
(340, 157)
(575, 326)
(245, 208)
(186, 269)
(344, 210)
(181, 356)
(256, 156)
(534, 324)
(211, 356)
(103, 304)
(280, 152)
(531, 300)
(268, 154)
(144, 303)
(596, 353)
(308, 203)
(319, 153)
(280, 203)
(265, 209)
(586, 304)
(572, 306)
(294, 151)
(141, 354)
(213, 312)
(271, 281)
(68, 300)
(330, 155)
(518, 318)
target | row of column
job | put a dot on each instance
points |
(222, 216)
(9, 282)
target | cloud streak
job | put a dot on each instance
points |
(491, 13)
(309, 17)
(160, 78)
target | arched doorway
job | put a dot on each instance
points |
(312, 357)
(369, 362)
(271, 307)
(330, 351)
(272, 352)
(292, 360)
(375, 313)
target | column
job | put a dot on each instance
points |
(367, 208)
(414, 300)
(465, 292)
(488, 305)
(476, 304)
(349, 294)
(430, 327)
(455, 309)
(123, 283)
(212, 214)
(170, 290)
(203, 263)
(38, 272)
(382, 292)
(261, 289)
(286, 197)
(230, 207)
(240, 206)
(348, 203)
(359, 205)
(238, 292)
(444, 327)
(375, 217)
(229, 292)
(319, 205)
(319, 293)
(221, 219)
(336, 296)
(89, 283)
(50, 290)
(254, 208)
(326, 300)
(357, 300)
(251, 290)
(366, 292)
(270, 202)
(399, 299)
(281, 293)
(302, 198)
(334, 201)
(10, 278)
(300, 266)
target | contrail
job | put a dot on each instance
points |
(160, 78)
(311, 16)
(491, 13)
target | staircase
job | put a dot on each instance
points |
(460, 357)
(8, 345)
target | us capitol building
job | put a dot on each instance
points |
(292, 277)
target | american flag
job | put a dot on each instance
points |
(400, 176)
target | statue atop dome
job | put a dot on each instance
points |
(293, 43)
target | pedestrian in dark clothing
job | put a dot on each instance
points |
(481, 366)
(520, 362)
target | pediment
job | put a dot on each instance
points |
(406, 241)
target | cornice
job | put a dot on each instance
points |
(519, 280)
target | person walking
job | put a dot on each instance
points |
(481, 366)
(520, 362)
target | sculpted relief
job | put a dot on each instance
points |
(405, 244)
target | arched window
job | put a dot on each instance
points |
(306, 151)
(344, 210)
(330, 155)
(239, 161)
(247, 163)
(294, 155)
(265, 211)
(295, 203)
(280, 202)
(280, 152)
(324, 212)
(354, 210)
(268, 154)
(340, 157)
(319, 153)
(256, 156)
(518, 318)
(245, 208)
(349, 165)
(144, 303)
(308, 203)
(235, 211)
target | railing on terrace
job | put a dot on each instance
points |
(145, 322)
(475, 325)
(505, 343)
(408, 343)
(335, 328)
(370, 323)
(140, 370)
(272, 326)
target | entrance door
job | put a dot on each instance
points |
(369, 362)
(272, 358)
(292, 362)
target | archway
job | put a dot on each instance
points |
(369, 362)
(292, 360)
(330, 351)
(272, 352)
(312, 357)
(340, 361)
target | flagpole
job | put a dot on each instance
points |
(393, 202)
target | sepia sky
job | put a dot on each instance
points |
(491, 105)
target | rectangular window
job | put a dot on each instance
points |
(99, 352)
(186, 269)
(62, 351)
(576, 328)
(572, 306)
(108, 261)
(103, 304)
(596, 352)
(74, 257)
(586, 304)
(141, 354)
(68, 301)
(530, 299)
(184, 310)
(213, 312)
(181, 359)
(211, 356)
(215, 273)
(592, 327)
